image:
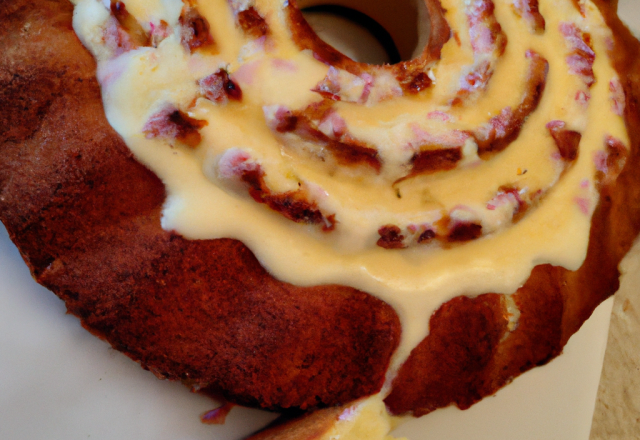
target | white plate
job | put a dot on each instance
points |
(59, 382)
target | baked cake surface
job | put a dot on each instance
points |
(147, 285)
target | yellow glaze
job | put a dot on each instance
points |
(416, 280)
(364, 419)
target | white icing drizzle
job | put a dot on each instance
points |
(272, 73)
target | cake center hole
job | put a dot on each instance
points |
(371, 31)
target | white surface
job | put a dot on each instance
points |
(59, 382)
(629, 11)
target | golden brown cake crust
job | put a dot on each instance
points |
(86, 218)
(465, 359)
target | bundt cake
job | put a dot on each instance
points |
(234, 204)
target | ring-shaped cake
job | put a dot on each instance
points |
(260, 216)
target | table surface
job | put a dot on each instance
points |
(617, 413)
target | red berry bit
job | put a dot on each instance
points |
(253, 23)
(172, 123)
(528, 10)
(582, 56)
(217, 416)
(195, 32)
(137, 35)
(391, 237)
(568, 141)
(219, 87)
(296, 206)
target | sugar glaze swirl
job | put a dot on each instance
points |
(451, 174)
